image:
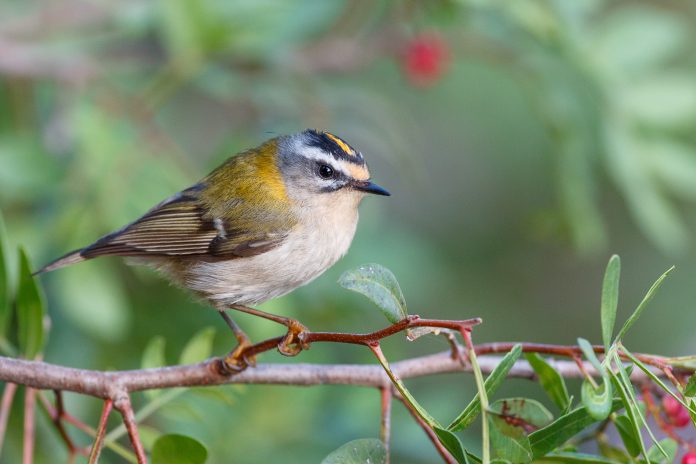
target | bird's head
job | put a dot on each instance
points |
(319, 166)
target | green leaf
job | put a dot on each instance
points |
(547, 439)
(468, 415)
(612, 452)
(673, 164)
(572, 458)
(669, 446)
(665, 100)
(656, 379)
(653, 211)
(379, 285)
(529, 411)
(690, 389)
(4, 284)
(661, 33)
(508, 441)
(638, 407)
(597, 401)
(153, 354)
(452, 443)
(510, 419)
(199, 347)
(631, 408)
(641, 307)
(590, 355)
(30, 310)
(178, 449)
(628, 435)
(95, 300)
(551, 381)
(361, 451)
(610, 298)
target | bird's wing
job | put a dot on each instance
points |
(182, 226)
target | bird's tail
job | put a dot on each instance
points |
(66, 260)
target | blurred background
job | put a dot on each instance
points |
(524, 142)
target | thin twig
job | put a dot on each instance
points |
(123, 404)
(101, 432)
(57, 417)
(5, 406)
(29, 426)
(483, 396)
(442, 451)
(385, 424)
(78, 424)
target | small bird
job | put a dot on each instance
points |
(265, 222)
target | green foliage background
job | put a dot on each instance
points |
(561, 131)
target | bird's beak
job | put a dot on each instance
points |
(369, 187)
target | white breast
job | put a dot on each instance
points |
(321, 239)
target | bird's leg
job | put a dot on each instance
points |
(294, 335)
(236, 360)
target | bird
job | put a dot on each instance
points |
(265, 222)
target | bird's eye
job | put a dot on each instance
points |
(325, 171)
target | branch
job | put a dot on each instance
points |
(110, 385)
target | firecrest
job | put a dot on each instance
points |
(265, 222)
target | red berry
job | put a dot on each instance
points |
(671, 406)
(425, 60)
(689, 458)
(681, 419)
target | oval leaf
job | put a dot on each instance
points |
(590, 355)
(493, 381)
(528, 413)
(669, 446)
(178, 449)
(379, 285)
(644, 302)
(610, 299)
(199, 347)
(452, 443)
(362, 451)
(628, 435)
(511, 421)
(550, 380)
(552, 436)
(30, 311)
(153, 354)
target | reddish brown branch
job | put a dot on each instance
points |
(29, 426)
(123, 405)
(363, 339)
(385, 424)
(101, 432)
(5, 406)
(57, 415)
(442, 451)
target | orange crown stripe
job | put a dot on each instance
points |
(344, 146)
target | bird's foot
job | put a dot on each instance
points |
(293, 342)
(237, 360)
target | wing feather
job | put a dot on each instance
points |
(181, 226)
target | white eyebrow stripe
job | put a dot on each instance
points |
(316, 154)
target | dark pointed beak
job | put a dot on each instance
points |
(369, 187)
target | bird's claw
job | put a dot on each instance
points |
(237, 360)
(293, 343)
